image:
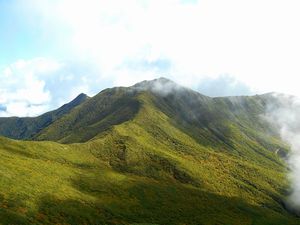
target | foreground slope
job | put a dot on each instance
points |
(121, 179)
(149, 157)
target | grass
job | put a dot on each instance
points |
(70, 185)
(142, 160)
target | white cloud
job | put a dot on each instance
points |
(285, 116)
(31, 87)
(255, 42)
(22, 90)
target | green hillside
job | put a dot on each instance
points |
(154, 153)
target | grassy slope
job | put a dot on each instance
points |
(145, 170)
(110, 107)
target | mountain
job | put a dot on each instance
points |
(152, 153)
(28, 127)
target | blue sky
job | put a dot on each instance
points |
(22, 34)
(16, 38)
(50, 51)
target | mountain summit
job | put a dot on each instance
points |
(132, 154)
(157, 84)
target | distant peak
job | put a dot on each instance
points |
(79, 99)
(82, 95)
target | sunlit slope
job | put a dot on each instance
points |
(228, 123)
(144, 170)
(153, 153)
(110, 107)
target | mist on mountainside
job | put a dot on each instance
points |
(286, 117)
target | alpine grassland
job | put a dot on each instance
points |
(153, 153)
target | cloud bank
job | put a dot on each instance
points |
(198, 38)
(123, 42)
(31, 87)
(286, 117)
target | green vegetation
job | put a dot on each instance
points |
(134, 156)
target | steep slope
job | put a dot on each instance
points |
(153, 153)
(219, 122)
(144, 170)
(27, 127)
(110, 107)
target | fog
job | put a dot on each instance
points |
(286, 117)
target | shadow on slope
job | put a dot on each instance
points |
(110, 107)
(132, 200)
(149, 201)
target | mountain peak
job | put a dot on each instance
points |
(76, 101)
(162, 86)
(148, 83)
(80, 97)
